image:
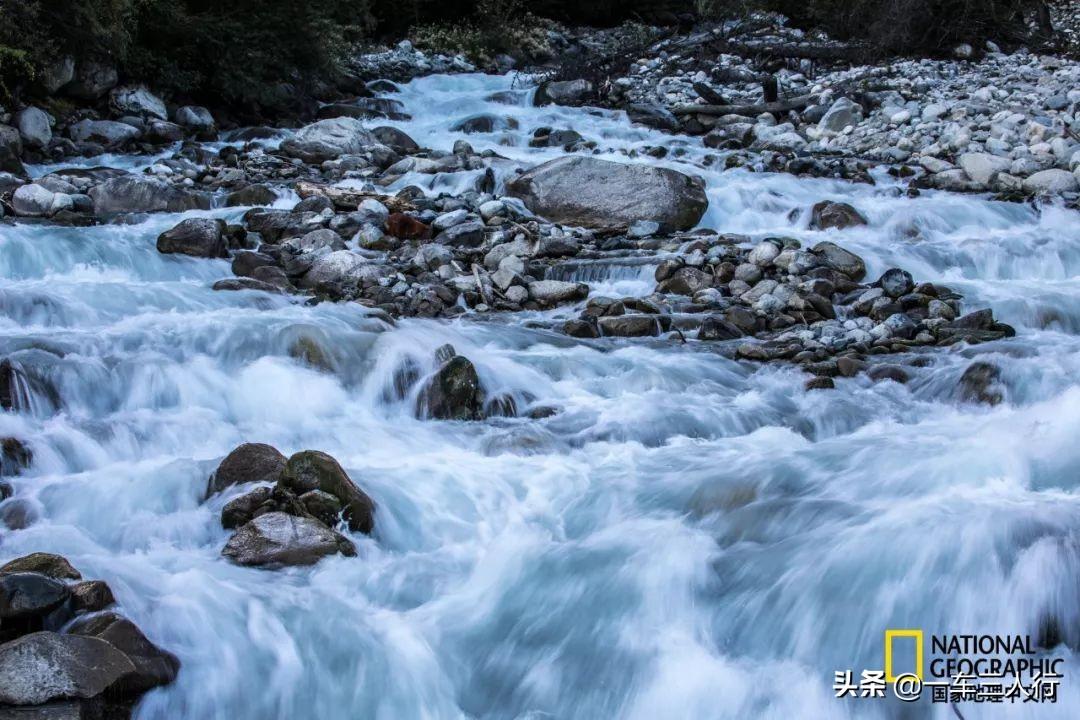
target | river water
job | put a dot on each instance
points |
(689, 537)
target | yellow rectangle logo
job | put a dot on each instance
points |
(890, 635)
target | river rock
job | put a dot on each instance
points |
(195, 118)
(896, 282)
(138, 101)
(153, 666)
(33, 200)
(1050, 182)
(828, 214)
(90, 596)
(841, 260)
(715, 327)
(35, 127)
(981, 383)
(329, 139)
(109, 133)
(46, 666)
(247, 463)
(132, 193)
(313, 470)
(48, 564)
(277, 539)
(255, 194)
(563, 92)
(198, 237)
(841, 113)
(548, 293)
(453, 392)
(596, 193)
(93, 78)
(983, 167)
(629, 326)
(30, 594)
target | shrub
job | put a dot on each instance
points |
(495, 27)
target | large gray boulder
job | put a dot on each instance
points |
(1050, 182)
(600, 194)
(105, 132)
(134, 193)
(277, 539)
(983, 167)
(198, 237)
(153, 666)
(341, 267)
(92, 80)
(137, 100)
(35, 126)
(56, 74)
(840, 114)
(329, 139)
(29, 594)
(46, 666)
(33, 200)
(195, 118)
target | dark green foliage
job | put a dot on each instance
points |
(930, 27)
(240, 52)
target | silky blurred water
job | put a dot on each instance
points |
(688, 537)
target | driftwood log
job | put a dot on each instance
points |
(780, 106)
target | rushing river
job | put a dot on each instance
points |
(689, 537)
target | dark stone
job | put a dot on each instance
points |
(46, 666)
(241, 510)
(245, 262)
(257, 194)
(453, 393)
(630, 326)
(820, 383)
(687, 281)
(981, 383)
(829, 214)
(28, 594)
(581, 329)
(395, 139)
(250, 462)
(54, 566)
(198, 237)
(896, 282)
(407, 227)
(90, 596)
(14, 456)
(717, 328)
(277, 539)
(322, 506)
(153, 666)
(877, 373)
(313, 470)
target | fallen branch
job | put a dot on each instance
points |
(781, 106)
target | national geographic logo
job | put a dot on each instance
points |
(962, 668)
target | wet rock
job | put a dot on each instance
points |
(581, 329)
(686, 281)
(1053, 181)
(483, 123)
(896, 282)
(132, 193)
(329, 139)
(198, 237)
(841, 260)
(981, 383)
(395, 139)
(241, 510)
(90, 596)
(596, 193)
(468, 234)
(33, 200)
(877, 373)
(453, 393)
(160, 132)
(152, 665)
(820, 383)
(245, 262)
(42, 563)
(629, 326)
(654, 116)
(14, 386)
(555, 292)
(311, 470)
(715, 327)
(828, 214)
(278, 539)
(30, 594)
(46, 666)
(247, 463)
(341, 267)
(244, 283)
(256, 194)
(322, 506)
(563, 92)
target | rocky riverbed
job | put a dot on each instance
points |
(461, 383)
